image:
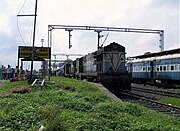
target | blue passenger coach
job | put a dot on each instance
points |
(163, 66)
(167, 68)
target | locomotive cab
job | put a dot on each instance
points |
(111, 68)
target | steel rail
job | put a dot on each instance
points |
(158, 92)
(168, 109)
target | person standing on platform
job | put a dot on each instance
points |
(9, 72)
(21, 72)
(16, 72)
(4, 71)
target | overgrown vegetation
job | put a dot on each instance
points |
(75, 105)
(171, 100)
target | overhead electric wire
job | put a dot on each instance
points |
(18, 23)
(105, 40)
(26, 64)
(22, 7)
(20, 32)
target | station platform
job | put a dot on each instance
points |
(107, 92)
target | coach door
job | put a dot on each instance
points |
(152, 69)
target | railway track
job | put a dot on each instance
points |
(149, 103)
(158, 92)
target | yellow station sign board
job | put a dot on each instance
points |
(39, 52)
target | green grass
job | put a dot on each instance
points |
(171, 100)
(7, 85)
(84, 108)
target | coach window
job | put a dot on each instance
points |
(149, 68)
(176, 67)
(135, 68)
(179, 67)
(94, 62)
(168, 68)
(164, 68)
(160, 68)
(172, 67)
(144, 69)
(157, 68)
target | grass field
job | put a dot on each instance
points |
(73, 105)
(171, 100)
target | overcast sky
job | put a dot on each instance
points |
(146, 14)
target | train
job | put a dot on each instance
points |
(106, 65)
(162, 67)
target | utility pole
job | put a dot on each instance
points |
(42, 40)
(34, 34)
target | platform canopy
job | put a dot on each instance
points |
(168, 52)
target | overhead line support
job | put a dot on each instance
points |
(115, 29)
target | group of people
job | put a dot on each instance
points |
(12, 74)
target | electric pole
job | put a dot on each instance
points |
(42, 40)
(34, 34)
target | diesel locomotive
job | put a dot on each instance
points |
(106, 65)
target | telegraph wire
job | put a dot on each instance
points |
(20, 32)
(26, 64)
(18, 27)
(32, 25)
(105, 40)
(22, 7)
(18, 23)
